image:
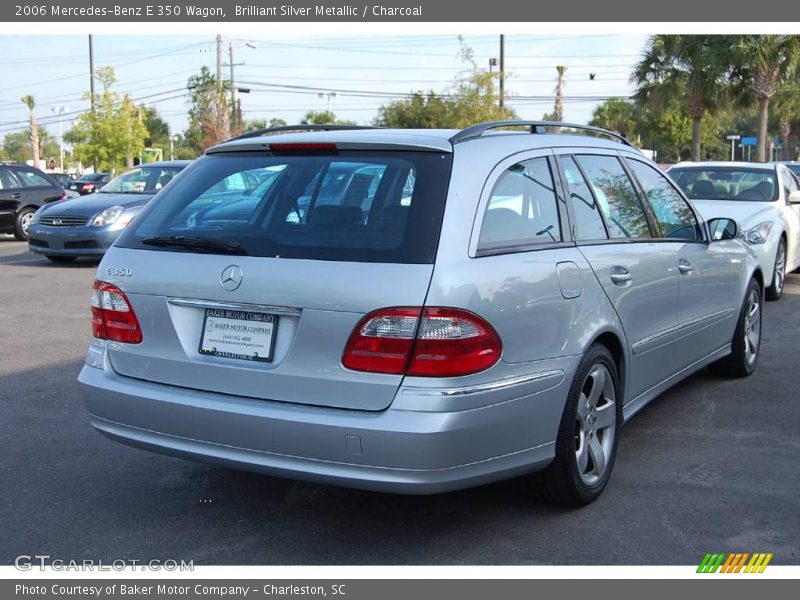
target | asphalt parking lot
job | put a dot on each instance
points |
(713, 465)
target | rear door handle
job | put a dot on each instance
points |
(685, 267)
(16, 196)
(620, 275)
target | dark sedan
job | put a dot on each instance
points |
(88, 226)
(89, 183)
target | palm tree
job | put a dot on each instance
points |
(761, 64)
(34, 132)
(558, 109)
(690, 66)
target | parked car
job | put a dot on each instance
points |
(497, 303)
(88, 226)
(65, 180)
(793, 166)
(88, 183)
(763, 198)
(23, 190)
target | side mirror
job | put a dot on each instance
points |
(794, 198)
(722, 229)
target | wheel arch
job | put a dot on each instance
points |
(614, 342)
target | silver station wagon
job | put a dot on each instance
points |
(414, 311)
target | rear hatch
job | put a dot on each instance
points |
(249, 274)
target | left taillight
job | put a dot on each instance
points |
(112, 315)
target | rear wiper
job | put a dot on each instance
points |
(195, 243)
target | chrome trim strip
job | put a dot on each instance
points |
(278, 310)
(644, 344)
(481, 387)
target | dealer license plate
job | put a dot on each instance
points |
(238, 334)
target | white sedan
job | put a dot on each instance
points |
(764, 200)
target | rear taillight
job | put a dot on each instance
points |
(87, 186)
(112, 315)
(430, 342)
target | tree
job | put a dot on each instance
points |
(618, 115)
(16, 146)
(33, 129)
(558, 108)
(111, 135)
(471, 99)
(157, 128)
(761, 63)
(323, 117)
(691, 67)
(209, 118)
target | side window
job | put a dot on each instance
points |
(522, 208)
(31, 179)
(588, 222)
(7, 179)
(616, 196)
(673, 215)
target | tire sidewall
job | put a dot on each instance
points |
(18, 232)
(596, 354)
(740, 333)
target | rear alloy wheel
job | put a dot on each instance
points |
(775, 291)
(586, 445)
(746, 343)
(24, 218)
(60, 259)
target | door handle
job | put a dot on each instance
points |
(620, 275)
(16, 196)
(685, 267)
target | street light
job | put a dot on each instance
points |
(172, 141)
(60, 110)
(329, 95)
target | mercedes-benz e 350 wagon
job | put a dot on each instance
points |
(414, 310)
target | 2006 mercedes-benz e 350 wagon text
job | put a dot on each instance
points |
(414, 310)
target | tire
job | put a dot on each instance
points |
(59, 259)
(775, 291)
(746, 343)
(574, 477)
(21, 223)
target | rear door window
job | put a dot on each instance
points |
(588, 222)
(349, 205)
(31, 179)
(522, 209)
(616, 196)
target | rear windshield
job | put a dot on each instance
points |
(93, 176)
(726, 183)
(348, 206)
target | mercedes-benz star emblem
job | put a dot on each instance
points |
(231, 277)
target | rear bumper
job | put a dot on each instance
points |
(71, 241)
(404, 451)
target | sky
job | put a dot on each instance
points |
(289, 76)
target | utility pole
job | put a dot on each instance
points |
(91, 85)
(502, 69)
(234, 116)
(219, 65)
(60, 110)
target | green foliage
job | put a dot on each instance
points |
(157, 128)
(16, 147)
(470, 99)
(323, 117)
(209, 119)
(112, 135)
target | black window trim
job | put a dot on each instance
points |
(564, 222)
(661, 238)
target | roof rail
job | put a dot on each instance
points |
(298, 128)
(476, 131)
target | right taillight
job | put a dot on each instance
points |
(112, 315)
(429, 342)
